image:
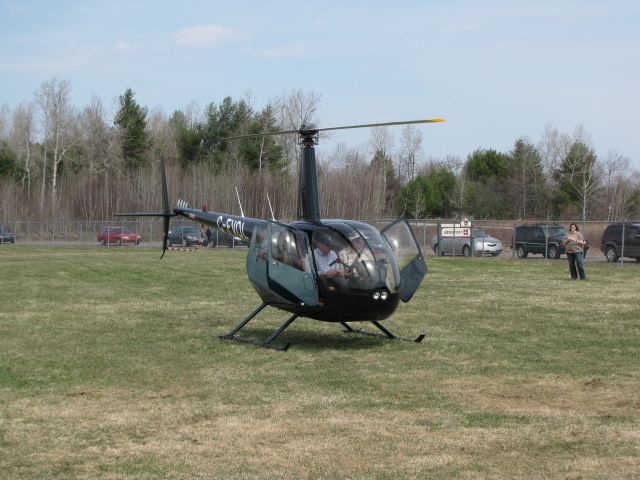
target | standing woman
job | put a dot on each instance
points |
(574, 246)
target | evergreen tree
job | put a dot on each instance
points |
(226, 120)
(188, 138)
(484, 164)
(428, 195)
(8, 161)
(526, 187)
(632, 206)
(381, 166)
(131, 119)
(487, 170)
(577, 179)
(262, 153)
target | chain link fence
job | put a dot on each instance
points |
(86, 233)
(627, 246)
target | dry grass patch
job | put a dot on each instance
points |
(110, 367)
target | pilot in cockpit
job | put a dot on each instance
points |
(327, 262)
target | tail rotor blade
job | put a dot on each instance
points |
(165, 190)
(165, 234)
(166, 213)
(165, 206)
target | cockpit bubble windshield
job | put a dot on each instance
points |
(353, 260)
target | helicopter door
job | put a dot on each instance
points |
(290, 271)
(257, 258)
(409, 256)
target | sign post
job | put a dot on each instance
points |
(464, 229)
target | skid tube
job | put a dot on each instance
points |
(267, 343)
(385, 333)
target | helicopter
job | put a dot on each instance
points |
(331, 270)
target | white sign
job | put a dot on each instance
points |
(456, 231)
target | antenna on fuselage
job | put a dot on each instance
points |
(239, 203)
(273, 217)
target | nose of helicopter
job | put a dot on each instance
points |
(376, 304)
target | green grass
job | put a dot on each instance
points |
(110, 367)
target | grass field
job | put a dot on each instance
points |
(110, 367)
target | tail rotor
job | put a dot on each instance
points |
(166, 213)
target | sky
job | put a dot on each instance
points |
(496, 70)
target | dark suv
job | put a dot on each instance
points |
(186, 236)
(540, 238)
(612, 244)
(6, 236)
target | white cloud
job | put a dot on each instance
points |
(206, 35)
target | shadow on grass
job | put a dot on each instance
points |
(319, 340)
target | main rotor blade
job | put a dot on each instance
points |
(385, 124)
(310, 128)
(261, 134)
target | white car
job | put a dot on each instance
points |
(484, 245)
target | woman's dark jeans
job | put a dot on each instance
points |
(576, 265)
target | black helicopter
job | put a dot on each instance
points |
(329, 270)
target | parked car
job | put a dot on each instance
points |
(221, 239)
(484, 245)
(540, 238)
(6, 236)
(118, 235)
(186, 236)
(612, 245)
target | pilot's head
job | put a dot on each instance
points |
(325, 242)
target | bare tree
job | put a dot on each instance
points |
(553, 147)
(293, 110)
(381, 143)
(615, 174)
(579, 172)
(162, 136)
(22, 138)
(381, 140)
(589, 171)
(459, 194)
(95, 136)
(410, 150)
(4, 122)
(53, 100)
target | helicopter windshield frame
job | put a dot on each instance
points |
(355, 262)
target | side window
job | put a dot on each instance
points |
(634, 231)
(289, 247)
(614, 233)
(260, 248)
(538, 234)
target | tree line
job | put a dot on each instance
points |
(64, 163)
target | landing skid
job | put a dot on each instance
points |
(385, 333)
(283, 347)
(267, 343)
(255, 342)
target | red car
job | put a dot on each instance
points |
(118, 235)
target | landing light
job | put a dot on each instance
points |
(384, 295)
(376, 295)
